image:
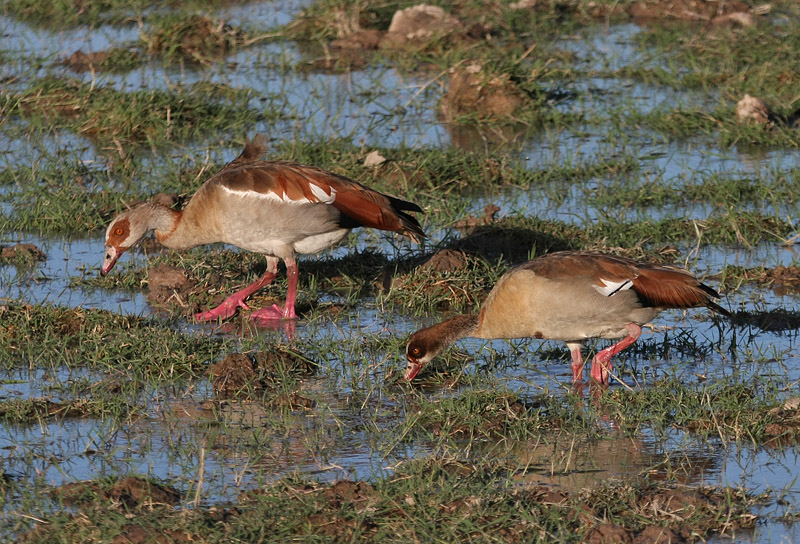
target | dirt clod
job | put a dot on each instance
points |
(28, 252)
(657, 535)
(83, 62)
(131, 492)
(136, 492)
(473, 91)
(239, 375)
(751, 109)
(418, 23)
(232, 375)
(137, 534)
(607, 533)
(446, 261)
(168, 284)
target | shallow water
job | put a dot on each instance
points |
(381, 106)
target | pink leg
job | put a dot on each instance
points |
(601, 364)
(577, 361)
(274, 312)
(577, 367)
(236, 300)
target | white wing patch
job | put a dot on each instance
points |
(611, 288)
(318, 192)
(321, 195)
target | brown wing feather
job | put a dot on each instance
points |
(359, 205)
(568, 265)
(670, 287)
(657, 285)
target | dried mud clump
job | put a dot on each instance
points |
(785, 429)
(22, 252)
(446, 261)
(241, 376)
(419, 24)
(608, 533)
(129, 493)
(782, 279)
(474, 92)
(168, 285)
(751, 109)
(119, 59)
(232, 376)
(83, 62)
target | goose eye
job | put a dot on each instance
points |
(415, 352)
(119, 232)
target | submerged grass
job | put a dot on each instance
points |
(440, 500)
(119, 119)
(54, 337)
(728, 409)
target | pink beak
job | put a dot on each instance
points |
(412, 369)
(112, 254)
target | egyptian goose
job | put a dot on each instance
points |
(275, 208)
(570, 296)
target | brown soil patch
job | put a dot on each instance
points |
(235, 375)
(54, 103)
(136, 492)
(275, 363)
(128, 492)
(419, 24)
(607, 533)
(692, 10)
(26, 252)
(657, 535)
(241, 376)
(785, 429)
(475, 92)
(358, 494)
(83, 62)
(446, 261)
(168, 285)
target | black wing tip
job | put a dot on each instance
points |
(403, 205)
(712, 293)
(719, 309)
(411, 227)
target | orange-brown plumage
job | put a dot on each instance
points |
(277, 208)
(570, 296)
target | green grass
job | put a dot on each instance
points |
(114, 118)
(54, 337)
(94, 13)
(475, 426)
(440, 500)
(742, 412)
(758, 60)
